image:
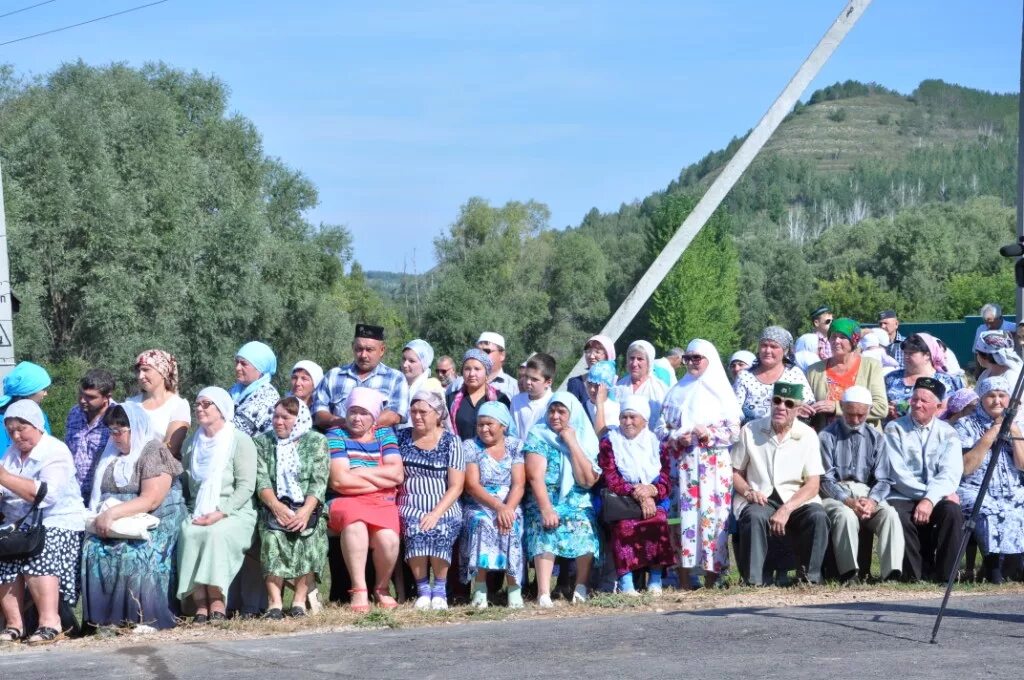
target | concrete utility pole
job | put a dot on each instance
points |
(1020, 169)
(737, 165)
(6, 315)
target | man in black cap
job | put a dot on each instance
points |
(888, 322)
(366, 370)
(926, 463)
(821, 318)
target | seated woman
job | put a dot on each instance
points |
(25, 381)
(995, 354)
(561, 467)
(291, 482)
(366, 469)
(602, 400)
(428, 500)
(922, 358)
(754, 386)
(169, 414)
(831, 377)
(306, 377)
(639, 378)
(464, 403)
(220, 481)
(632, 465)
(52, 575)
(1000, 528)
(492, 528)
(125, 581)
(254, 396)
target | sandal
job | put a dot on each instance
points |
(45, 636)
(10, 634)
(384, 599)
(296, 612)
(274, 614)
(218, 616)
(359, 608)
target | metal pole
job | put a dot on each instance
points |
(6, 315)
(734, 169)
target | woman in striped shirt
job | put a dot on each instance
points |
(366, 469)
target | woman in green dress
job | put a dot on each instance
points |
(220, 480)
(292, 463)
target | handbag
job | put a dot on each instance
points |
(615, 508)
(16, 544)
(133, 527)
(294, 506)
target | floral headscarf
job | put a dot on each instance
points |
(163, 363)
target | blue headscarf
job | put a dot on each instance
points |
(478, 355)
(496, 410)
(585, 435)
(603, 373)
(25, 380)
(263, 360)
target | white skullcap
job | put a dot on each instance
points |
(743, 355)
(493, 338)
(857, 395)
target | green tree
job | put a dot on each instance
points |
(858, 297)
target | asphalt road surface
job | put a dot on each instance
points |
(980, 636)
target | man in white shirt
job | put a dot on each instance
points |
(529, 407)
(776, 474)
(493, 345)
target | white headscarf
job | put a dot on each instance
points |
(124, 463)
(652, 388)
(805, 351)
(706, 400)
(211, 455)
(316, 374)
(638, 459)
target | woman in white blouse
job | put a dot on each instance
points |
(169, 414)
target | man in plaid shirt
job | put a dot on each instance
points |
(86, 434)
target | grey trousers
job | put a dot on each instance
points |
(807, 531)
(845, 526)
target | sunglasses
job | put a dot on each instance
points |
(827, 322)
(692, 358)
(488, 351)
(788, 402)
(204, 404)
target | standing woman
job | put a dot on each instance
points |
(128, 581)
(417, 356)
(220, 481)
(492, 534)
(464, 404)
(25, 381)
(831, 377)
(291, 481)
(753, 387)
(598, 348)
(157, 373)
(700, 423)
(561, 468)
(306, 377)
(52, 575)
(428, 500)
(640, 378)
(254, 396)
(633, 466)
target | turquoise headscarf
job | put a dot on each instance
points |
(603, 373)
(263, 360)
(25, 380)
(497, 410)
(585, 435)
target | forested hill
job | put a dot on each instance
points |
(864, 198)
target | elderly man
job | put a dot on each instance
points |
(992, 320)
(821, 319)
(446, 370)
(776, 474)
(888, 322)
(367, 370)
(493, 345)
(855, 485)
(926, 464)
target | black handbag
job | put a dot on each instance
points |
(294, 507)
(615, 508)
(16, 544)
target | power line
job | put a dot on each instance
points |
(25, 9)
(82, 23)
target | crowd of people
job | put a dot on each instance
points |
(403, 485)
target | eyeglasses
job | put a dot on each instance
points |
(692, 358)
(204, 404)
(118, 431)
(788, 402)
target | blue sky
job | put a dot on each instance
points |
(399, 112)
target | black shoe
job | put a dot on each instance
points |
(200, 619)
(296, 612)
(274, 614)
(217, 616)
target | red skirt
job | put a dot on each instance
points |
(376, 510)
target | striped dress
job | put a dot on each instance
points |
(426, 482)
(377, 510)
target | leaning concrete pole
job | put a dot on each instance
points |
(1020, 171)
(6, 315)
(736, 166)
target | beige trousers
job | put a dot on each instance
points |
(845, 526)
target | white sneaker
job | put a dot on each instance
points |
(422, 602)
(544, 602)
(479, 599)
(579, 596)
(438, 603)
(655, 591)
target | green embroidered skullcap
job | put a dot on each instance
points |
(848, 328)
(788, 390)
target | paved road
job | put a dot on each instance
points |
(980, 636)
